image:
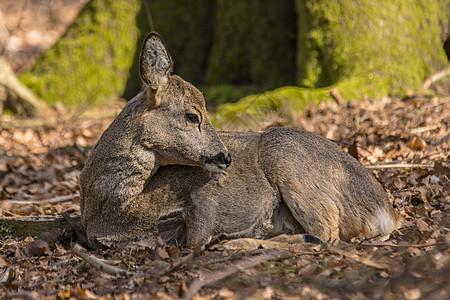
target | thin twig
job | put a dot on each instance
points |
(425, 128)
(20, 295)
(185, 260)
(436, 77)
(95, 262)
(390, 166)
(334, 92)
(149, 16)
(57, 199)
(9, 213)
(401, 245)
(6, 272)
(41, 278)
(198, 284)
(250, 253)
(359, 259)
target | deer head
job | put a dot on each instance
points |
(174, 124)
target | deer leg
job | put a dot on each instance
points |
(318, 216)
(200, 218)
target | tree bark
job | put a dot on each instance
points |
(93, 60)
(360, 49)
(47, 228)
(254, 43)
(16, 97)
(391, 47)
(357, 48)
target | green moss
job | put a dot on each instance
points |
(397, 43)
(249, 112)
(47, 228)
(286, 102)
(362, 48)
(92, 60)
(227, 93)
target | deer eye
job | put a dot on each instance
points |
(193, 118)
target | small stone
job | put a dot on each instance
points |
(412, 294)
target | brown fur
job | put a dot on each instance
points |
(153, 167)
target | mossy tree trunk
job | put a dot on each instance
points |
(94, 58)
(97, 58)
(391, 46)
(358, 48)
(253, 43)
(361, 48)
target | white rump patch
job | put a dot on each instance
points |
(382, 224)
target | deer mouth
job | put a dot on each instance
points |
(218, 163)
(215, 168)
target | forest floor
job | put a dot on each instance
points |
(404, 142)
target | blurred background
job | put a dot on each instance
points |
(251, 59)
(27, 28)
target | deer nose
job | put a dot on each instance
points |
(221, 160)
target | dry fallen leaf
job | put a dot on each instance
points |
(416, 143)
(422, 225)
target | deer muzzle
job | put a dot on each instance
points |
(219, 162)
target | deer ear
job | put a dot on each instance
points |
(155, 63)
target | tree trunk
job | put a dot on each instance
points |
(16, 97)
(391, 47)
(357, 48)
(47, 228)
(254, 43)
(186, 26)
(94, 58)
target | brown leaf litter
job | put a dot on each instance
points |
(404, 142)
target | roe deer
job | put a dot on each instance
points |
(161, 164)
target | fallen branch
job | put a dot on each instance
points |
(96, 262)
(435, 77)
(47, 228)
(58, 119)
(276, 254)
